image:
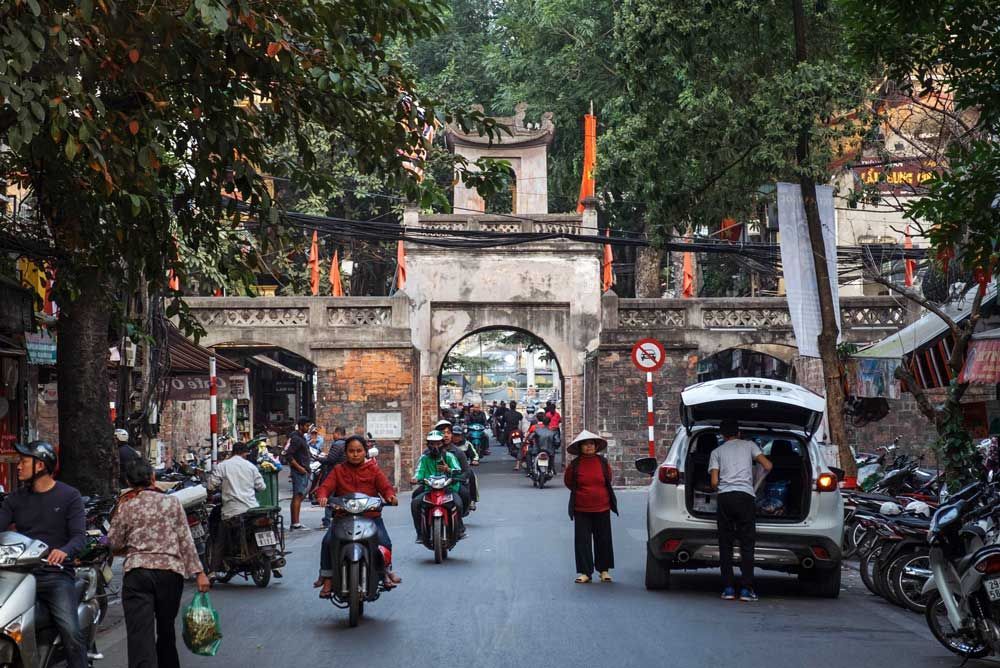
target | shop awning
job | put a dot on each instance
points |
(926, 329)
(982, 361)
(188, 357)
(278, 366)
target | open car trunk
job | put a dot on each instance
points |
(783, 496)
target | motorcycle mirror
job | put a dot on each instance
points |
(646, 465)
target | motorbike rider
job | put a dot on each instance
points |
(52, 512)
(464, 489)
(544, 440)
(239, 481)
(462, 447)
(356, 474)
(126, 455)
(511, 421)
(435, 461)
(477, 416)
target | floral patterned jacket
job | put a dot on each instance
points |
(150, 529)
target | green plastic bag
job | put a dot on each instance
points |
(202, 633)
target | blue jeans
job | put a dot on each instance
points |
(325, 561)
(58, 593)
(300, 483)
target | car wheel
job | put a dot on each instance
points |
(657, 575)
(823, 583)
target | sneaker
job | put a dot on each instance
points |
(418, 541)
(294, 527)
(748, 595)
(729, 594)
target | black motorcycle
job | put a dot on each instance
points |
(254, 546)
(359, 562)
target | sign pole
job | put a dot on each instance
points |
(649, 413)
(213, 407)
(649, 355)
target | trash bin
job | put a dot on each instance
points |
(269, 495)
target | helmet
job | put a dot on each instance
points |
(441, 424)
(890, 508)
(40, 450)
(121, 435)
(458, 430)
(435, 438)
(918, 508)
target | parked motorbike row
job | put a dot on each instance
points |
(937, 557)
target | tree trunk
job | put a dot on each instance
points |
(827, 340)
(647, 272)
(88, 459)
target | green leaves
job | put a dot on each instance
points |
(214, 14)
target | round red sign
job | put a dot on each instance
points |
(648, 354)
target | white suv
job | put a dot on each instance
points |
(800, 514)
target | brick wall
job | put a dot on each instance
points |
(620, 413)
(184, 425)
(352, 382)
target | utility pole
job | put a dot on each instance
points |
(827, 340)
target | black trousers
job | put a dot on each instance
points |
(151, 600)
(737, 514)
(592, 540)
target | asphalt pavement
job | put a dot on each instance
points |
(506, 597)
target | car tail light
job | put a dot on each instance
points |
(826, 482)
(670, 545)
(990, 565)
(670, 475)
(820, 552)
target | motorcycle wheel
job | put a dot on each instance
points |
(955, 642)
(541, 480)
(908, 588)
(261, 572)
(437, 536)
(880, 576)
(354, 610)
(867, 568)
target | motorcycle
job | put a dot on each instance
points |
(514, 442)
(29, 639)
(541, 469)
(359, 561)
(255, 546)
(480, 441)
(963, 597)
(439, 519)
(193, 497)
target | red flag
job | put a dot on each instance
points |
(908, 265)
(400, 265)
(687, 277)
(587, 183)
(607, 267)
(314, 264)
(336, 289)
(173, 282)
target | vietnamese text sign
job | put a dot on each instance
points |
(982, 364)
(41, 348)
(386, 425)
(798, 267)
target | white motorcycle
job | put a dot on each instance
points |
(28, 638)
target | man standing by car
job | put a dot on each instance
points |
(731, 468)
(299, 459)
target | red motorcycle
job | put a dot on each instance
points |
(440, 522)
(514, 442)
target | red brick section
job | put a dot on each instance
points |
(353, 382)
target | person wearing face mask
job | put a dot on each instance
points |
(356, 474)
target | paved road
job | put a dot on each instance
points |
(506, 598)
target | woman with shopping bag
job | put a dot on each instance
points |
(150, 529)
(591, 501)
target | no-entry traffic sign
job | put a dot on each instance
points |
(648, 355)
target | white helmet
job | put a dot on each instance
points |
(918, 508)
(890, 508)
(121, 435)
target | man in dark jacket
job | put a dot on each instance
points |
(333, 456)
(52, 512)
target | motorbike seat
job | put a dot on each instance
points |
(872, 496)
(912, 522)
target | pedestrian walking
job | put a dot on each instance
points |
(150, 529)
(299, 458)
(591, 501)
(731, 469)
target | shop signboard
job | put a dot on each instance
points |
(385, 425)
(982, 364)
(193, 388)
(41, 348)
(239, 386)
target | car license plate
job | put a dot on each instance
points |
(265, 538)
(516, 441)
(993, 588)
(197, 531)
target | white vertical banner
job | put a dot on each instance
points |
(798, 266)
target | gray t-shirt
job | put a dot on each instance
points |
(734, 460)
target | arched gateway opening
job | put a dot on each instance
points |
(495, 364)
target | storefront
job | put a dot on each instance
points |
(16, 318)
